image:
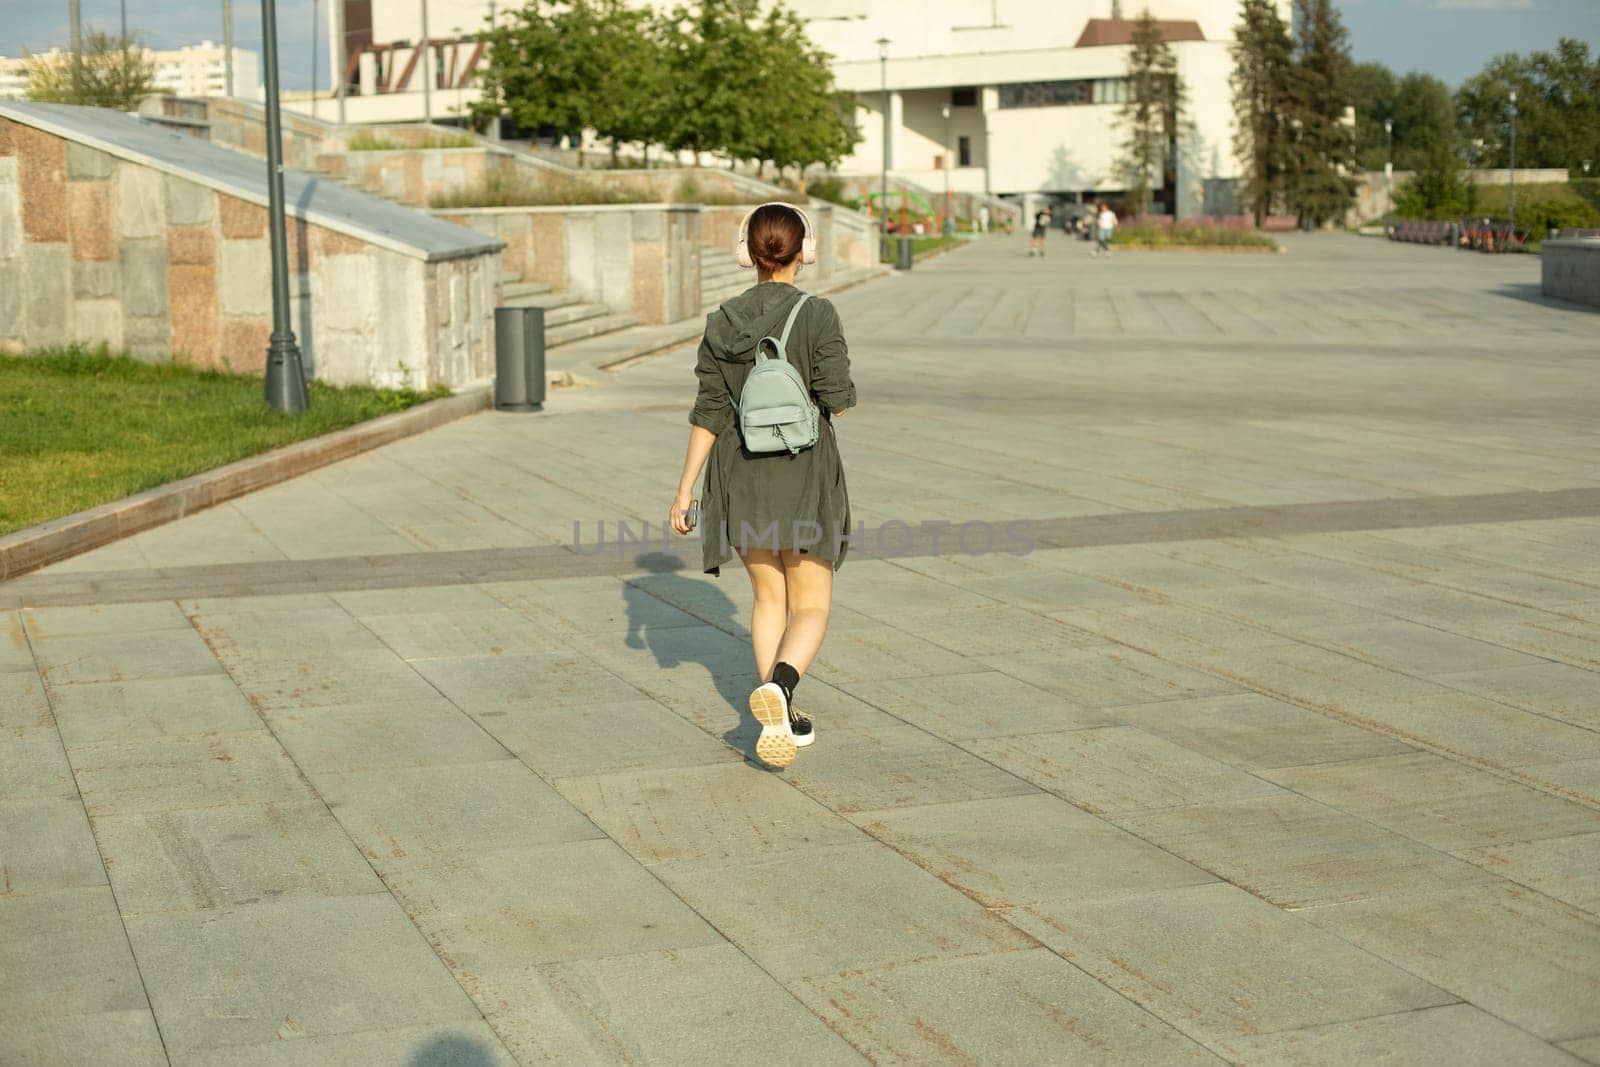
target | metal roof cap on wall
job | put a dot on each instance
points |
(313, 199)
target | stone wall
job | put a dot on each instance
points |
(637, 258)
(411, 176)
(241, 124)
(846, 240)
(1570, 269)
(95, 248)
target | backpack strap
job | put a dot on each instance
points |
(782, 351)
(794, 313)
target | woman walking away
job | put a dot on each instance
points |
(773, 372)
(1041, 227)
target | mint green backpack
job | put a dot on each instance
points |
(775, 409)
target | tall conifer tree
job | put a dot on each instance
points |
(1263, 82)
(1322, 184)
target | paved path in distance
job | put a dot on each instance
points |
(1282, 744)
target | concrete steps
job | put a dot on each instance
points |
(566, 317)
(721, 276)
(516, 292)
(592, 324)
(620, 348)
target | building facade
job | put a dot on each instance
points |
(406, 60)
(1020, 98)
(196, 70)
(1016, 98)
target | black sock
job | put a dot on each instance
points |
(787, 678)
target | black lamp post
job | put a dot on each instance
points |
(286, 379)
(948, 225)
(1511, 171)
(1388, 162)
(883, 174)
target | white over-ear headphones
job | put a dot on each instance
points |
(808, 244)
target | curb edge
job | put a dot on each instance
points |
(51, 542)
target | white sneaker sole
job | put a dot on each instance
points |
(775, 747)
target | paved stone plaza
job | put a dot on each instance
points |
(1282, 745)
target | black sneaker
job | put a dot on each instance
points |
(800, 724)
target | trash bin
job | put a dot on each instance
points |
(902, 255)
(519, 358)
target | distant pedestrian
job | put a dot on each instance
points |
(774, 491)
(983, 218)
(1104, 224)
(1041, 227)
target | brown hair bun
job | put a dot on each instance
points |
(774, 237)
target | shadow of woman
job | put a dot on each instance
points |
(664, 585)
(452, 1050)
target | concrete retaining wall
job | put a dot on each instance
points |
(98, 248)
(846, 240)
(1570, 269)
(241, 124)
(637, 258)
(411, 176)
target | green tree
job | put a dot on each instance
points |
(1558, 108)
(798, 117)
(111, 72)
(1438, 189)
(718, 77)
(628, 100)
(1321, 182)
(571, 64)
(1421, 108)
(1152, 114)
(531, 75)
(1375, 91)
(709, 51)
(1262, 81)
(1424, 123)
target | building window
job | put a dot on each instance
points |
(1111, 90)
(964, 151)
(1064, 93)
(966, 96)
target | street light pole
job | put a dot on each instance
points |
(227, 47)
(883, 174)
(313, 59)
(945, 111)
(427, 74)
(1388, 161)
(341, 54)
(75, 21)
(1511, 171)
(286, 382)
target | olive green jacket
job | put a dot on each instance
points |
(770, 500)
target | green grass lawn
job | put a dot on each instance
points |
(80, 428)
(1189, 234)
(921, 246)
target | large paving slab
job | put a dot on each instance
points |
(1262, 726)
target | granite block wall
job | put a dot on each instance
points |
(97, 248)
(1570, 269)
(642, 259)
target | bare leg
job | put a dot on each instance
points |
(770, 614)
(810, 594)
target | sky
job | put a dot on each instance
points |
(1451, 39)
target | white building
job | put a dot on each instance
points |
(201, 70)
(1032, 87)
(197, 70)
(384, 66)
